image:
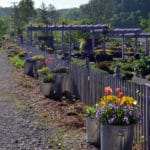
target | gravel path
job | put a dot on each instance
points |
(20, 128)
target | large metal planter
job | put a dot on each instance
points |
(61, 83)
(29, 68)
(93, 131)
(115, 137)
(46, 88)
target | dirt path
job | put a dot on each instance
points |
(20, 129)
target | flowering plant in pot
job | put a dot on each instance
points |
(92, 125)
(43, 72)
(47, 85)
(118, 114)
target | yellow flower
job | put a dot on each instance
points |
(109, 99)
(129, 101)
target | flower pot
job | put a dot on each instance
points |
(29, 68)
(61, 84)
(93, 131)
(115, 137)
(46, 88)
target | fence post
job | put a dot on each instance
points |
(147, 116)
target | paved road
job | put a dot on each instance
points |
(18, 129)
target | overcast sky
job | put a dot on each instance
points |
(59, 4)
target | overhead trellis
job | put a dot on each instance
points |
(69, 27)
(62, 28)
(95, 29)
(127, 33)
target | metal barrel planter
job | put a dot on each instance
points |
(93, 131)
(116, 137)
(66, 82)
(58, 83)
(29, 67)
(61, 83)
(46, 88)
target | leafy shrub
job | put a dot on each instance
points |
(127, 67)
(142, 66)
(44, 70)
(17, 62)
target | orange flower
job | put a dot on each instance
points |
(108, 90)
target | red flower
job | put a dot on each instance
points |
(118, 90)
(120, 95)
(48, 60)
(108, 90)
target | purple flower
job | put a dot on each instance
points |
(125, 119)
(98, 112)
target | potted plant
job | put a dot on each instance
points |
(43, 72)
(47, 84)
(32, 64)
(62, 80)
(118, 114)
(92, 125)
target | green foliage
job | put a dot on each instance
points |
(49, 78)
(3, 27)
(78, 62)
(38, 57)
(17, 62)
(127, 67)
(142, 66)
(91, 110)
(44, 71)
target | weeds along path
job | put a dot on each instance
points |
(20, 128)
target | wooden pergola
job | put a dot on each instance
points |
(121, 33)
(70, 28)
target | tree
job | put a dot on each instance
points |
(99, 11)
(22, 14)
(26, 10)
(44, 15)
(3, 27)
(53, 14)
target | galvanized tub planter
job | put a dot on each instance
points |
(116, 137)
(93, 131)
(46, 88)
(29, 67)
(61, 83)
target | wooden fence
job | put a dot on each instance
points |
(89, 85)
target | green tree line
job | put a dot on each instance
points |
(117, 13)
